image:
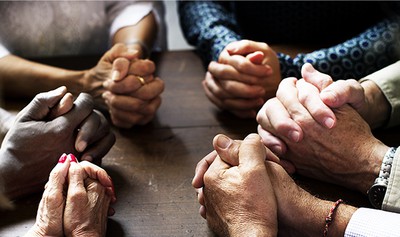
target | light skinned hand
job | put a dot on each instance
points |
(35, 139)
(231, 147)
(301, 97)
(243, 78)
(129, 101)
(87, 204)
(365, 97)
(93, 79)
(259, 54)
(49, 217)
(232, 211)
(332, 155)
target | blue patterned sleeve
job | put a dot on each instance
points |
(209, 26)
(370, 51)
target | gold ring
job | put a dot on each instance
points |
(141, 80)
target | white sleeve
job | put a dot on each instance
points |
(135, 12)
(3, 51)
(367, 222)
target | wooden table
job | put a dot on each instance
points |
(152, 166)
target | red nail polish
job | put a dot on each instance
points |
(72, 158)
(62, 159)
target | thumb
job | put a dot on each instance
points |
(41, 105)
(227, 149)
(256, 57)
(119, 69)
(252, 151)
(120, 50)
(316, 78)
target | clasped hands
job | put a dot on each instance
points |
(246, 75)
(75, 201)
(317, 128)
(126, 86)
(320, 127)
(51, 124)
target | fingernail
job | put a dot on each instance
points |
(294, 136)
(81, 146)
(115, 75)
(63, 100)
(72, 158)
(223, 142)
(106, 83)
(329, 122)
(63, 158)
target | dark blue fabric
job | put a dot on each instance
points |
(356, 38)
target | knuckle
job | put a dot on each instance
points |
(76, 195)
(242, 65)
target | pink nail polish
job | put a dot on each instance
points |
(72, 158)
(62, 159)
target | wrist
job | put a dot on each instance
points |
(85, 234)
(377, 108)
(37, 231)
(376, 154)
(253, 230)
(311, 221)
(140, 47)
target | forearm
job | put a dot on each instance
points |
(383, 94)
(209, 26)
(378, 110)
(144, 32)
(23, 78)
(308, 218)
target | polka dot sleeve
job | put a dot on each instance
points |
(355, 58)
(209, 26)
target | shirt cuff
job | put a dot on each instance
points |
(3, 51)
(391, 202)
(133, 14)
(366, 222)
(388, 80)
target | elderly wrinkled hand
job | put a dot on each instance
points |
(246, 74)
(239, 166)
(316, 94)
(329, 152)
(39, 134)
(75, 193)
(88, 199)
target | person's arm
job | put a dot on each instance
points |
(355, 58)
(382, 87)
(24, 78)
(209, 26)
(138, 25)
